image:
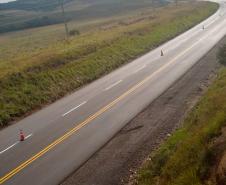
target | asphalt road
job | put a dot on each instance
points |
(62, 136)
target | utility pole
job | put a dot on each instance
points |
(153, 5)
(64, 18)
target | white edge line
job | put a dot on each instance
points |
(121, 81)
(213, 21)
(28, 136)
(74, 108)
(113, 85)
(9, 147)
(14, 144)
(207, 26)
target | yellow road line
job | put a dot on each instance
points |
(89, 119)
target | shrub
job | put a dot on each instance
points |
(74, 32)
(222, 55)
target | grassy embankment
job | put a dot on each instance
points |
(31, 79)
(189, 156)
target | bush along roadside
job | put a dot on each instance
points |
(222, 55)
(189, 155)
(26, 90)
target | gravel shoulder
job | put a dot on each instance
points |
(119, 159)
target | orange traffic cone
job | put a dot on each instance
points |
(21, 135)
(162, 53)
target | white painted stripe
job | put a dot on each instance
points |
(190, 36)
(14, 144)
(28, 136)
(211, 22)
(9, 147)
(139, 69)
(113, 85)
(74, 109)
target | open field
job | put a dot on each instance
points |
(28, 42)
(36, 74)
(23, 14)
(196, 153)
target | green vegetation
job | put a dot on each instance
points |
(222, 55)
(186, 158)
(23, 14)
(33, 77)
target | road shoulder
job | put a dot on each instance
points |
(119, 159)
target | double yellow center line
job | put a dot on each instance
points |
(88, 120)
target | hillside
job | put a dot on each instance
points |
(196, 153)
(23, 14)
(38, 67)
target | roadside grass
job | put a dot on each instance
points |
(28, 81)
(222, 55)
(187, 156)
(31, 41)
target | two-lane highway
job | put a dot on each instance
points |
(62, 136)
